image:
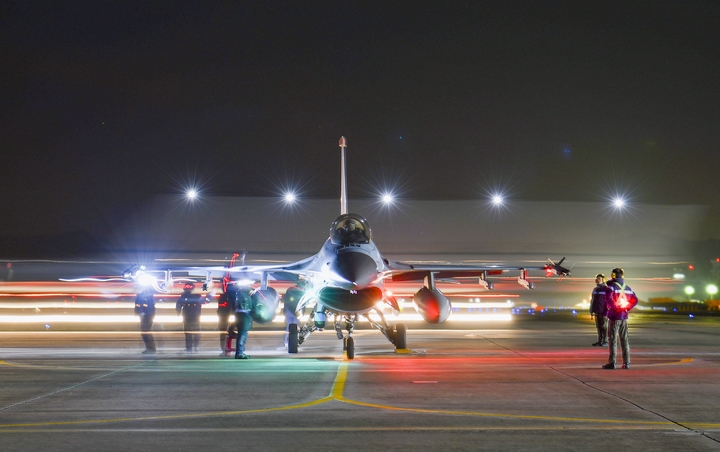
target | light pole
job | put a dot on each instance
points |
(689, 291)
(711, 289)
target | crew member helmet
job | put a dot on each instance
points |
(600, 276)
(617, 273)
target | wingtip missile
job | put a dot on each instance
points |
(553, 268)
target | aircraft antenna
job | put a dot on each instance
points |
(343, 178)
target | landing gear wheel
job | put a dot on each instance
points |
(400, 339)
(350, 347)
(293, 338)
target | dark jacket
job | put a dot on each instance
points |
(243, 307)
(190, 305)
(597, 300)
(615, 288)
(145, 304)
(226, 305)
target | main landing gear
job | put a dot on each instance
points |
(397, 334)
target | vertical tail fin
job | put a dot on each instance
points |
(343, 178)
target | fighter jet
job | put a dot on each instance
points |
(346, 280)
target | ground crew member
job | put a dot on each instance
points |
(226, 308)
(190, 306)
(619, 299)
(599, 310)
(145, 309)
(243, 321)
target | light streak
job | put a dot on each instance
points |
(212, 319)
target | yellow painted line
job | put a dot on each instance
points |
(3, 363)
(510, 416)
(336, 394)
(339, 384)
(173, 416)
(422, 428)
(403, 351)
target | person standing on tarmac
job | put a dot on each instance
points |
(243, 321)
(145, 309)
(599, 310)
(619, 299)
(226, 308)
(190, 306)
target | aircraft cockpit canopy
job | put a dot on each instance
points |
(350, 228)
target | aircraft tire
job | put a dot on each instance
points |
(400, 336)
(350, 347)
(293, 338)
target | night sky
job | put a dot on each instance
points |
(106, 104)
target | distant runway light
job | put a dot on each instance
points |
(290, 197)
(711, 289)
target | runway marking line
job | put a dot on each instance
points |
(336, 394)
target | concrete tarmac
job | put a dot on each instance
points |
(534, 383)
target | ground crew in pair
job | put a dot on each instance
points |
(226, 308)
(619, 300)
(189, 304)
(243, 320)
(598, 310)
(145, 309)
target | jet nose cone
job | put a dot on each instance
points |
(356, 267)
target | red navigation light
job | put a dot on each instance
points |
(549, 271)
(691, 267)
(717, 259)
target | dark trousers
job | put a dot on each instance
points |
(618, 329)
(240, 344)
(192, 334)
(146, 324)
(223, 323)
(601, 323)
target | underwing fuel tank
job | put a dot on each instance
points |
(265, 304)
(432, 305)
(337, 299)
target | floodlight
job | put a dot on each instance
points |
(497, 200)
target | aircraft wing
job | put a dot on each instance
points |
(400, 271)
(274, 272)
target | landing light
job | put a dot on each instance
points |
(146, 280)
